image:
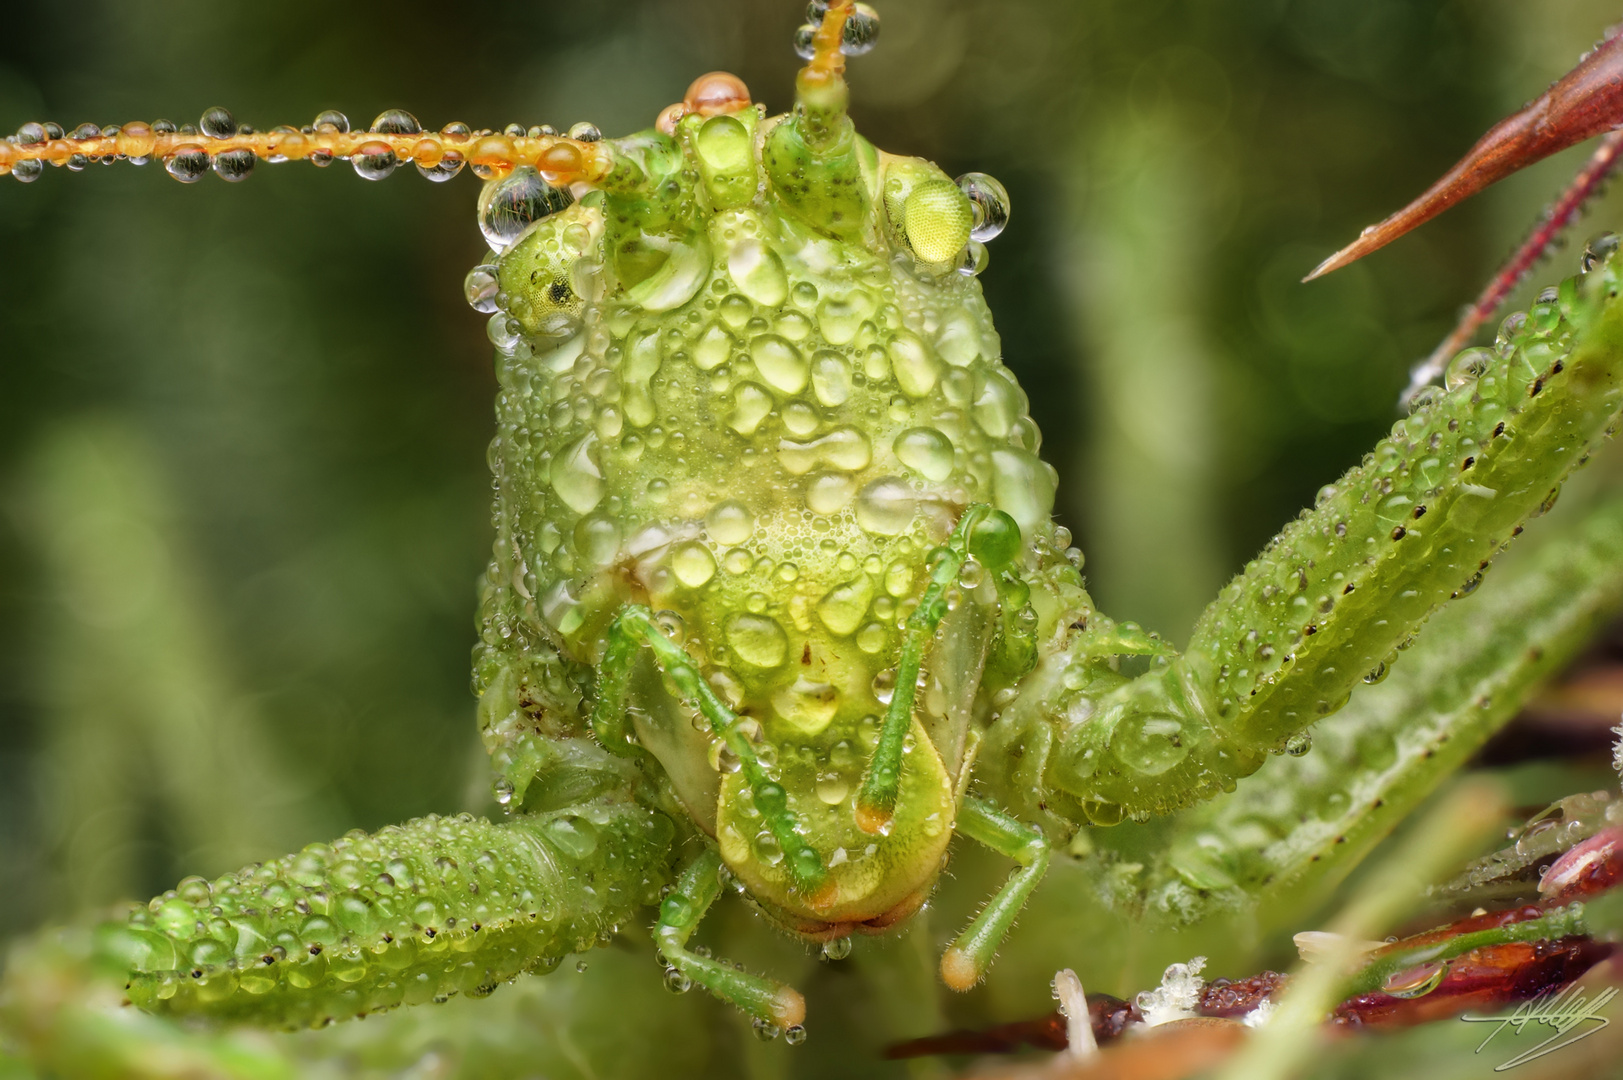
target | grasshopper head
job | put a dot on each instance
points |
(749, 380)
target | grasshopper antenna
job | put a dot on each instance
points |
(231, 150)
(1585, 102)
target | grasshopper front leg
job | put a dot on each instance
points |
(1336, 593)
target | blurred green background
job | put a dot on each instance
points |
(242, 480)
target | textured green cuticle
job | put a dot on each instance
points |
(411, 914)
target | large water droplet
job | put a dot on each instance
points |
(915, 366)
(373, 160)
(396, 122)
(218, 123)
(807, 706)
(693, 564)
(1598, 250)
(757, 271)
(597, 540)
(828, 493)
(989, 201)
(1150, 744)
(926, 451)
(838, 949)
(830, 378)
(480, 288)
(507, 207)
(577, 477)
(843, 608)
(757, 639)
(333, 118)
(188, 164)
(730, 523)
(1467, 367)
(861, 31)
(234, 165)
(1417, 981)
(804, 41)
(886, 507)
(780, 363)
(1022, 488)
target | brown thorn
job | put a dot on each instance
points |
(1560, 214)
(1584, 102)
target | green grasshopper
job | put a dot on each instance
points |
(777, 602)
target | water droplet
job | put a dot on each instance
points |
(676, 982)
(334, 119)
(974, 260)
(577, 477)
(1299, 744)
(832, 788)
(729, 523)
(766, 848)
(1150, 744)
(1417, 981)
(508, 207)
(597, 540)
(1597, 251)
(861, 31)
(780, 363)
(721, 757)
(886, 507)
(764, 1031)
(807, 706)
(754, 267)
(804, 46)
(447, 167)
(837, 949)
(828, 493)
(926, 451)
(989, 201)
(757, 640)
(830, 378)
(585, 132)
(234, 165)
(1023, 487)
(1376, 673)
(396, 122)
(1505, 339)
(796, 1034)
(914, 365)
(574, 836)
(1424, 398)
(218, 123)
(373, 160)
(1467, 367)
(480, 288)
(580, 967)
(188, 164)
(693, 564)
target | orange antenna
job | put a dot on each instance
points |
(219, 143)
(1584, 102)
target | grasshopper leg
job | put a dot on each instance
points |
(634, 626)
(679, 915)
(967, 959)
(876, 799)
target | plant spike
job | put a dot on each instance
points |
(1582, 103)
